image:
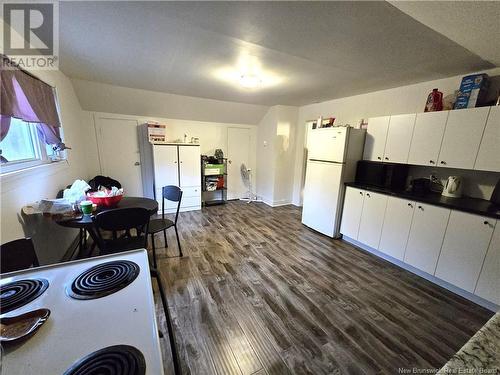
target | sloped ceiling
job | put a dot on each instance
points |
(319, 50)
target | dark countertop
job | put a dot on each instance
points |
(471, 205)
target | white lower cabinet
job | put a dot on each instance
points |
(464, 248)
(397, 222)
(372, 219)
(426, 237)
(488, 285)
(351, 216)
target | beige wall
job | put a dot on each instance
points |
(276, 155)
(100, 97)
(350, 110)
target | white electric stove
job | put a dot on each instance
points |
(104, 305)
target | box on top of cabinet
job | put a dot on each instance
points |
(473, 91)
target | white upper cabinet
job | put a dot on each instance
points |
(376, 135)
(190, 167)
(372, 219)
(427, 136)
(426, 236)
(488, 158)
(488, 285)
(462, 136)
(397, 222)
(399, 137)
(351, 215)
(464, 248)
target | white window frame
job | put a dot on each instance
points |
(41, 156)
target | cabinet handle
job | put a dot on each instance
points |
(368, 195)
(379, 158)
(386, 158)
(410, 205)
(420, 207)
(432, 162)
(486, 222)
(361, 192)
(175, 162)
(443, 162)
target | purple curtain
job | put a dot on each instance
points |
(29, 99)
(4, 126)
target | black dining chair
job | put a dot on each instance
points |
(122, 220)
(173, 194)
(17, 255)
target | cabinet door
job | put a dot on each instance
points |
(464, 248)
(464, 130)
(376, 135)
(165, 166)
(397, 222)
(351, 215)
(190, 166)
(427, 137)
(426, 237)
(372, 218)
(399, 136)
(488, 158)
(488, 285)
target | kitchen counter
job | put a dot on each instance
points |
(481, 354)
(472, 205)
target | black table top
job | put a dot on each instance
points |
(466, 204)
(86, 220)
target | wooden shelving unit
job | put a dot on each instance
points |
(219, 195)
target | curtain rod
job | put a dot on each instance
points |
(6, 58)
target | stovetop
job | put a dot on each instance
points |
(101, 308)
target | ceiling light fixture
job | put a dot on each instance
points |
(250, 81)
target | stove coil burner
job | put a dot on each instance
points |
(20, 293)
(118, 359)
(103, 279)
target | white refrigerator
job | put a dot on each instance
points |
(332, 154)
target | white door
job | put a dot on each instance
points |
(189, 166)
(372, 218)
(327, 144)
(376, 135)
(427, 136)
(464, 248)
(321, 196)
(426, 237)
(488, 285)
(488, 158)
(397, 222)
(351, 214)
(399, 136)
(238, 152)
(464, 130)
(118, 143)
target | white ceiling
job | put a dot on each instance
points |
(320, 50)
(472, 24)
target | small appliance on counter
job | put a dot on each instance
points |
(453, 187)
(390, 176)
(420, 186)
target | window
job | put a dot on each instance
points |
(30, 127)
(22, 148)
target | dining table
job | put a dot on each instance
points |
(85, 223)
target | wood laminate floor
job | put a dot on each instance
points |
(259, 293)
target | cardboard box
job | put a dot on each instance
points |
(473, 91)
